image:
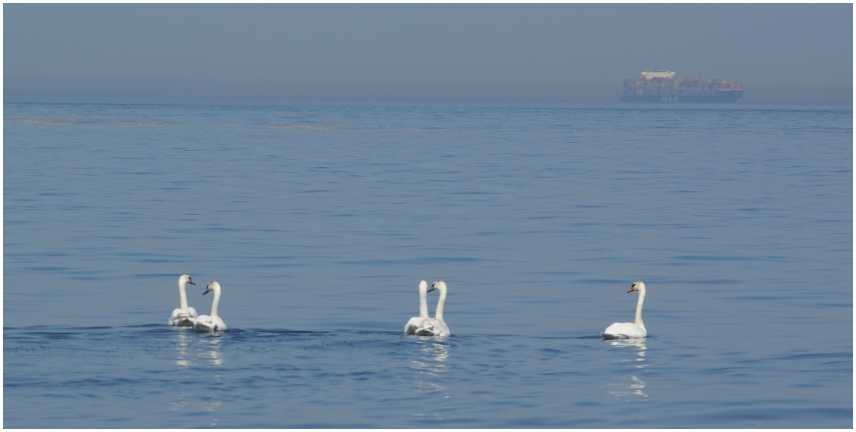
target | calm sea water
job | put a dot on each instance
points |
(319, 220)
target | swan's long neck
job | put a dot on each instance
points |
(639, 309)
(182, 294)
(439, 313)
(423, 303)
(217, 302)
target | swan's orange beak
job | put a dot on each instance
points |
(190, 281)
(632, 288)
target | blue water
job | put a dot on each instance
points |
(319, 220)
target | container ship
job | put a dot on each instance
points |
(659, 86)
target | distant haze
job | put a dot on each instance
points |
(781, 53)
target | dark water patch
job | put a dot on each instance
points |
(712, 258)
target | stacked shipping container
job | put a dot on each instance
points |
(666, 89)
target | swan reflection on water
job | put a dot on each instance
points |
(211, 349)
(207, 348)
(635, 387)
(430, 363)
(182, 342)
(432, 357)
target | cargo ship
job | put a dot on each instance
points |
(659, 86)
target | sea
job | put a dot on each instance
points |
(319, 219)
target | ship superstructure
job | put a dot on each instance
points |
(661, 86)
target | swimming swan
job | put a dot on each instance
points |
(436, 326)
(183, 316)
(415, 322)
(211, 323)
(629, 330)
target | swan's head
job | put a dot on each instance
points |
(212, 286)
(439, 286)
(637, 286)
(423, 286)
(185, 279)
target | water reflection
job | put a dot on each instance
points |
(632, 385)
(182, 343)
(431, 364)
(183, 394)
(210, 347)
(432, 359)
(206, 350)
(212, 350)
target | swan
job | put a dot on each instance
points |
(415, 322)
(436, 326)
(629, 330)
(183, 316)
(211, 323)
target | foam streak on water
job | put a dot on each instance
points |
(319, 220)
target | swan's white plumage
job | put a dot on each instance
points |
(184, 315)
(436, 326)
(211, 323)
(433, 327)
(624, 331)
(416, 322)
(634, 329)
(208, 324)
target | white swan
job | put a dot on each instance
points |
(436, 326)
(629, 330)
(415, 322)
(183, 316)
(211, 323)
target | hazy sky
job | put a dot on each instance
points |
(781, 53)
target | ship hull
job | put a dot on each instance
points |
(719, 97)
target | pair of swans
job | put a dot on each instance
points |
(186, 316)
(423, 325)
